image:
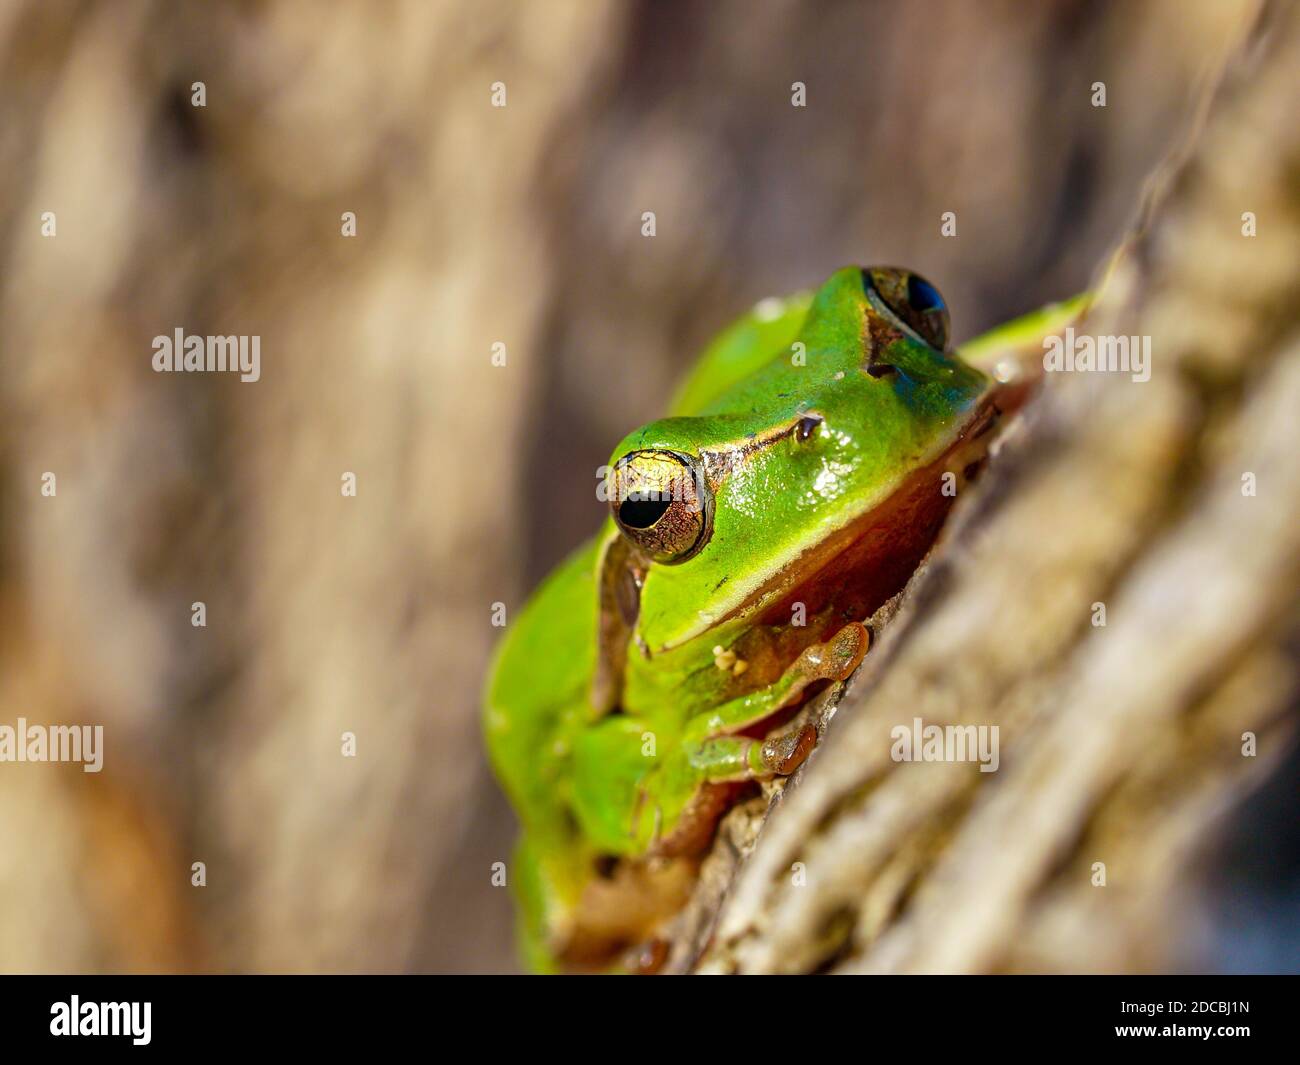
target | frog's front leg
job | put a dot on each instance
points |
(685, 791)
(706, 738)
(729, 758)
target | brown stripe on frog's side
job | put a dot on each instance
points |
(619, 577)
(719, 461)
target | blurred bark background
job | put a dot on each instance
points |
(475, 225)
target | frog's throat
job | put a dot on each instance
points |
(921, 488)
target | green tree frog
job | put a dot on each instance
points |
(803, 472)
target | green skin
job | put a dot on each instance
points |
(598, 772)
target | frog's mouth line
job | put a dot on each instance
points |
(892, 536)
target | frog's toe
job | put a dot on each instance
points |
(838, 657)
(646, 958)
(783, 753)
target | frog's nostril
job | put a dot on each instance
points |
(806, 426)
(642, 513)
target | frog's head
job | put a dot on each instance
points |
(722, 504)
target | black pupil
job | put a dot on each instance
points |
(922, 295)
(642, 513)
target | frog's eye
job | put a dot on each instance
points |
(912, 300)
(661, 503)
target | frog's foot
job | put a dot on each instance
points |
(837, 658)
(719, 762)
(834, 659)
(738, 758)
(726, 763)
(783, 750)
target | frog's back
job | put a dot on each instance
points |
(542, 669)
